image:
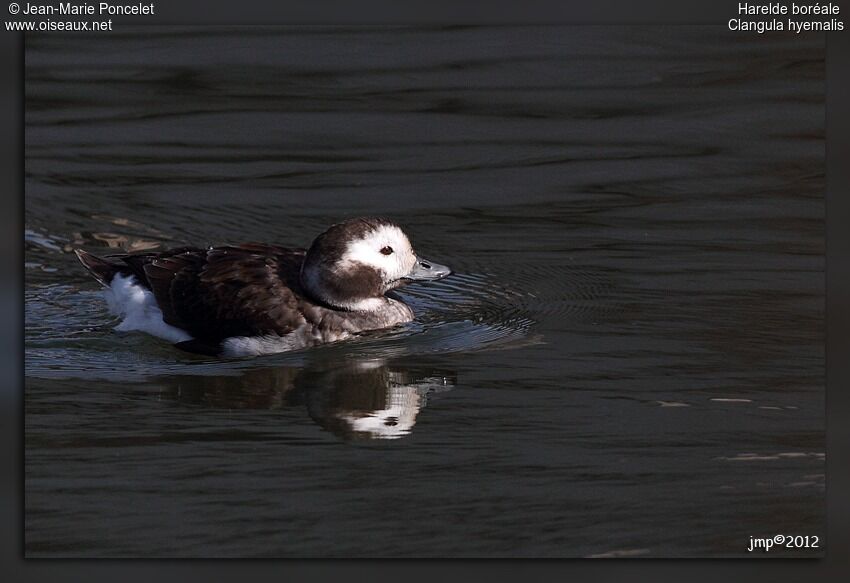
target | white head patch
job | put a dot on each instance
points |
(387, 249)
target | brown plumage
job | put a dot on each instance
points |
(219, 292)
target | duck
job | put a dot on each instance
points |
(252, 299)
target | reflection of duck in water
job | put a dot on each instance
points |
(253, 299)
(371, 400)
(361, 400)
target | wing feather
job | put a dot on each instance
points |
(215, 293)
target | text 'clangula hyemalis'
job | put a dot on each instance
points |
(252, 299)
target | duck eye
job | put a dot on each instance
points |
(387, 250)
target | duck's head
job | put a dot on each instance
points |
(353, 264)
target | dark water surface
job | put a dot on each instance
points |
(628, 361)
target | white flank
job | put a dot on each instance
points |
(304, 336)
(138, 308)
(367, 305)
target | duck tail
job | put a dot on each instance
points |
(101, 269)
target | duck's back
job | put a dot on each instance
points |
(218, 292)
